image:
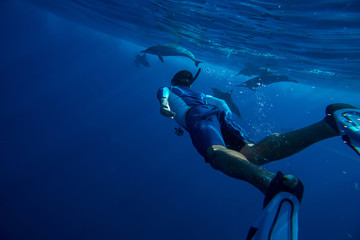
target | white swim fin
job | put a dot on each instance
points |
(279, 219)
(348, 123)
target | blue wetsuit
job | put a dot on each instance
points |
(206, 118)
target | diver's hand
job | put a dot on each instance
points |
(165, 109)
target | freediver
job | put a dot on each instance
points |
(227, 147)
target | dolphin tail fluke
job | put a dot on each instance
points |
(197, 63)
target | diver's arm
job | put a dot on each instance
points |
(163, 95)
(165, 109)
(218, 103)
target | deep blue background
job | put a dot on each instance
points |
(85, 154)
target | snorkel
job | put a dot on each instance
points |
(196, 75)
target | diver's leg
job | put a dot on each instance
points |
(279, 146)
(205, 133)
(234, 164)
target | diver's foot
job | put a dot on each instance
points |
(330, 118)
(284, 183)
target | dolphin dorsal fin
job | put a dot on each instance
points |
(161, 58)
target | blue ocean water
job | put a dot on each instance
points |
(85, 153)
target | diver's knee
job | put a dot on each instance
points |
(213, 154)
(214, 150)
(275, 137)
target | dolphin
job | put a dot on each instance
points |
(265, 79)
(170, 49)
(141, 60)
(226, 96)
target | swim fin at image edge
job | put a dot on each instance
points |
(345, 119)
